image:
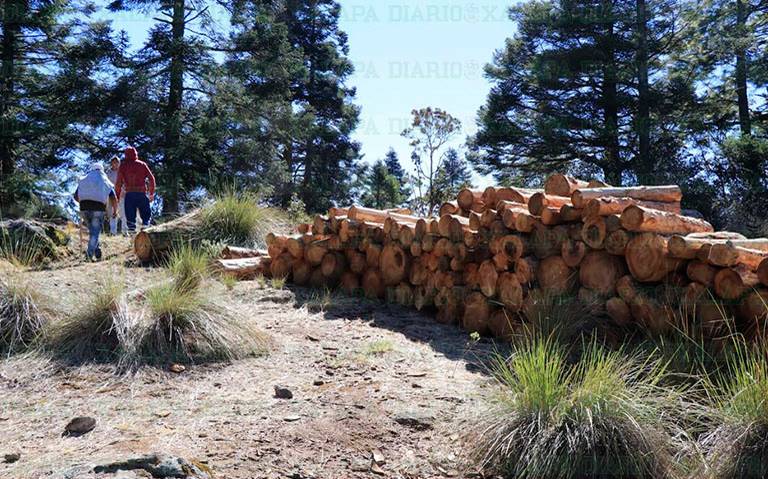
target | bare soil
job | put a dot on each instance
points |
(368, 380)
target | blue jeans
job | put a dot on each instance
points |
(94, 221)
(137, 201)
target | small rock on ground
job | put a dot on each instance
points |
(11, 458)
(417, 420)
(158, 466)
(283, 393)
(79, 426)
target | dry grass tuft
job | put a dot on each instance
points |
(98, 331)
(23, 316)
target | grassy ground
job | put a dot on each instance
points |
(365, 378)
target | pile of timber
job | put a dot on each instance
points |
(491, 255)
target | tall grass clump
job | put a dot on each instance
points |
(26, 249)
(604, 416)
(187, 325)
(737, 446)
(189, 267)
(23, 316)
(561, 317)
(98, 330)
(234, 218)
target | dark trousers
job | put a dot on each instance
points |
(137, 202)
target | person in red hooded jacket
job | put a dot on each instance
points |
(136, 181)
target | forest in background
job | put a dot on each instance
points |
(643, 91)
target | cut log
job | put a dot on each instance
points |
(627, 288)
(616, 242)
(510, 291)
(393, 264)
(317, 280)
(619, 312)
(321, 225)
(732, 283)
(350, 282)
(599, 271)
(647, 258)
(664, 194)
(762, 272)
(701, 272)
(614, 206)
(466, 198)
(538, 201)
(563, 185)
(593, 301)
(639, 219)
(518, 195)
(726, 255)
(334, 264)
(233, 252)
(242, 268)
(281, 266)
(504, 325)
(593, 232)
(550, 216)
(687, 247)
(554, 276)
(302, 272)
(157, 241)
(372, 255)
(356, 260)
(709, 314)
(753, 313)
(488, 277)
(569, 214)
(653, 316)
(525, 269)
(449, 208)
(360, 213)
(337, 211)
(573, 252)
(453, 227)
(373, 284)
(477, 313)
(315, 251)
(547, 242)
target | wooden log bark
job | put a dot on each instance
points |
(569, 214)
(762, 272)
(639, 219)
(156, 242)
(727, 255)
(732, 283)
(686, 247)
(449, 208)
(315, 251)
(599, 271)
(242, 268)
(233, 252)
(505, 325)
(550, 216)
(709, 314)
(554, 276)
(613, 206)
(281, 266)
(664, 194)
(525, 269)
(538, 201)
(372, 255)
(647, 258)
(753, 313)
(573, 252)
(563, 185)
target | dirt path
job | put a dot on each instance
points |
(366, 378)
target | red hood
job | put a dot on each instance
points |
(131, 154)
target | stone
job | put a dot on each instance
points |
(159, 466)
(417, 420)
(177, 368)
(11, 458)
(79, 426)
(283, 393)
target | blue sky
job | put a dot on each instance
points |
(407, 54)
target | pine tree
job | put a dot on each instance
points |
(173, 73)
(453, 176)
(53, 61)
(586, 87)
(397, 170)
(382, 190)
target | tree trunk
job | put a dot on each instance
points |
(9, 54)
(156, 242)
(554, 276)
(639, 219)
(563, 185)
(663, 194)
(742, 69)
(174, 108)
(647, 258)
(645, 171)
(599, 271)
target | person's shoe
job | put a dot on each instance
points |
(98, 254)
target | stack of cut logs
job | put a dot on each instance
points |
(628, 253)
